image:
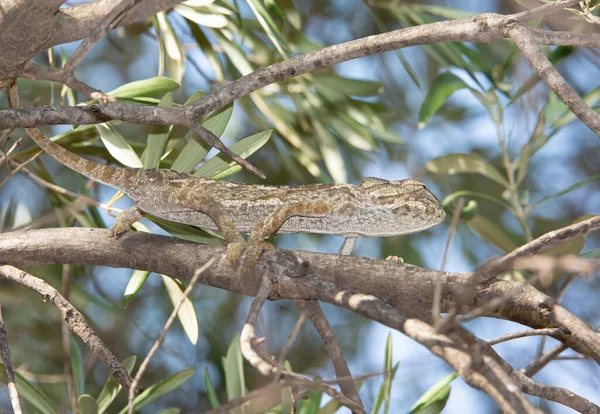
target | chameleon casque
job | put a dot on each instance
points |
(376, 208)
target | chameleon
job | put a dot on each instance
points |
(375, 208)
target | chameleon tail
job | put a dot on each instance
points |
(97, 172)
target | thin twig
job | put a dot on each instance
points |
(452, 229)
(163, 334)
(525, 41)
(523, 334)
(74, 319)
(542, 243)
(264, 363)
(548, 8)
(39, 72)
(212, 140)
(288, 343)
(436, 307)
(8, 368)
(19, 167)
(272, 386)
(66, 342)
(109, 21)
(537, 364)
(317, 317)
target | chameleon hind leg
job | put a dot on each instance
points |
(272, 223)
(206, 204)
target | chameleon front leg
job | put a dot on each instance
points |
(272, 223)
(347, 246)
(125, 219)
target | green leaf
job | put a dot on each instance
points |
(196, 149)
(186, 232)
(136, 281)
(312, 404)
(573, 246)
(210, 390)
(157, 138)
(291, 15)
(492, 233)
(233, 365)
(538, 137)
(87, 404)
(435, 398)
(347, 86)
(161, 388)
(444, 86)
(384, 392)
(448, 200)
(592, 98)
(187, 314)
(465, 163)
(117, 146)
(175, 54)
(112, 387)
(331, 153)
(566, 190)
(154, 88)
(270, 28)
(30, 393)
(77, 367)
(212, 20)
(207, 49)
(219, 166)
(170, 411)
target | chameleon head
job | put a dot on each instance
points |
(408, 205)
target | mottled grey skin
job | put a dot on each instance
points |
(376, 208)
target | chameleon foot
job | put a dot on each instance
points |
(117, 229)
(252, 254)
(234, 250)
(395, 259)
(124, 221)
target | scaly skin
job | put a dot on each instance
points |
(376, 208)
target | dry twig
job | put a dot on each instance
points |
(163, 334)
(8, 369)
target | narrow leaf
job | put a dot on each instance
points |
(112, 387)
(219, 166)
(566, 190)
(161, 388)
(465, 163)
(444, 86)
(154, 88)
(435, 398)
(196, 149)
(347, 86)
(136, 281)
(212, 20)
(77, 367)
(30, 393)
(117, 146)
(175, 55)
(492, 233)
(234, 370)
(187, 314)
(210, 390)
(157, 138)
(87, 404)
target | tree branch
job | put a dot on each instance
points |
(74, 319)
